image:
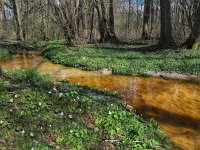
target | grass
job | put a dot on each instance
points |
(126, 59)
(3, 52)
(36, 113)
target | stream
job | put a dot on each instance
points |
(174, 104)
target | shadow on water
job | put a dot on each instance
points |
(170, 118)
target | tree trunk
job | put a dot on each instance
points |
(18, 21)
(194, 39)
(71, 20)
(111, 16)
(68, 21)
(104, 27)
(137, 14)
(1, 13)
(81, 20)
(146, 20)
(166, 39)
(129, 15)
(45, 15)
(92, 21)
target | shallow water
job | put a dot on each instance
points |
(174, 104)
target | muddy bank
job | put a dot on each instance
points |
(15, 47)
(175, 76)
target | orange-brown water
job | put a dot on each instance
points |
(174, 104)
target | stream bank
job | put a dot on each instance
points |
(38, 113)
(151, 97)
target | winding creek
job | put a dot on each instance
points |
(174, 104)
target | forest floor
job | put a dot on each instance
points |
(36, 113)
(127, 59)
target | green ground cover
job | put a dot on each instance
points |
(126, 59)
(36, 113)
(3, 52)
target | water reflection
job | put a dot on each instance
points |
(174, 104)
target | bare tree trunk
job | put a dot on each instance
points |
(129, 14)
(194, 39)
(81, 20)
(1, 13)
(166, 39)
(45, 16)
(66, 17)
(92, 21)
(104, 27)
(152, 18)
(71, 20)
(25, 20)
(111, 16)
(146, 20)
(18, 21)
(137, 13)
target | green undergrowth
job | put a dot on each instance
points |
(127, 60)
(36, 113)
(3, 52)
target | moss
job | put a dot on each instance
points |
(196, 45)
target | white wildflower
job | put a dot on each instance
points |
(23, 132)
(49, 92)
(89, 107)
(111, 105)
(58, 147)
(32, 148)
(54, 89)
(110, 113)
(1, 122)
(61, 113)
(31, 134)
(70, 116)
(16, 96)
(50, 125)
(11, 100)
(40, 104)
(61, 94)
(71, 131)
(80, 109)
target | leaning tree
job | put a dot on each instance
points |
(194, 39)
